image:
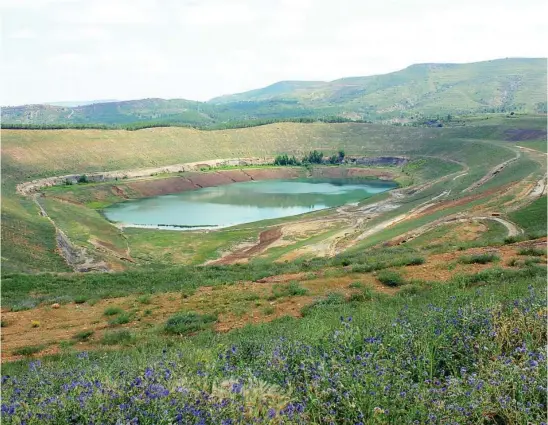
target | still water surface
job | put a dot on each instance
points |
(244, 202)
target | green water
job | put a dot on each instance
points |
(245, 202)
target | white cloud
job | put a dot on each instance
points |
(23, 34)
(90, 33)
(111, 12)
(203, 48)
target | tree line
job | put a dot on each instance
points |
(313, 157)
(152, 124)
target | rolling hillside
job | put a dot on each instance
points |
(421, 90)
(498, 85)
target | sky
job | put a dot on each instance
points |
(66, 50)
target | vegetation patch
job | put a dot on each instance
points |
(533, 217)
(112, 311)
(29, 350)
(365, 294)
(120, 319)
(390, 278)
(291, 289)
(144, 299)
(189, 322)
(83, 335)
(80, 299)
(332, 299)
(479, 258)
(118, 337)
(531, 250)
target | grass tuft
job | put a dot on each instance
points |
(479, 258)
(390, 278)
(119, 337)
(28, 350)
(531, 250)
(188, 322)
(83, 335)
(112, 311)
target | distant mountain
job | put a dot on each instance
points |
(501, 85)
(496, 85)
(279, 89)
(73, 103)
(185, 111)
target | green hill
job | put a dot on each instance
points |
(492, 86)
(419, 91)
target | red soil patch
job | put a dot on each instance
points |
(61, 324)
(442, 267)
(162, 186)
(266, 238)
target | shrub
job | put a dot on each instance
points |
(479, 258)
(112, 311)
(83, 335)
(29, 350)
(366, 294)
(24, 305)
(34, 324)
(80, 299)
(332, 299)
(121, 319)
(291, 289)
(513, 262)
(122, 336)
(531, 261)
(83, 179)
(183, 323)
(531, 250)
(188, 291)
(362, 268)
(409, 290)
(415, 261)
(512, 239)
(267, 311)
(144, 299)
(390, 278)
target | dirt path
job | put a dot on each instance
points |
(513, 229)
(492, 173)
(266, 238)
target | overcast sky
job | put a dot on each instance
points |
(59, 50)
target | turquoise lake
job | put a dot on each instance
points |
(245, 202)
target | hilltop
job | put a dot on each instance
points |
(416, 92)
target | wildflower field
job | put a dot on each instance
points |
(468, 351)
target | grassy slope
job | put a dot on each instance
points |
(533, 217)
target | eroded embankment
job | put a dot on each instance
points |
(105, 176)
(151, 186)
(208, 179)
